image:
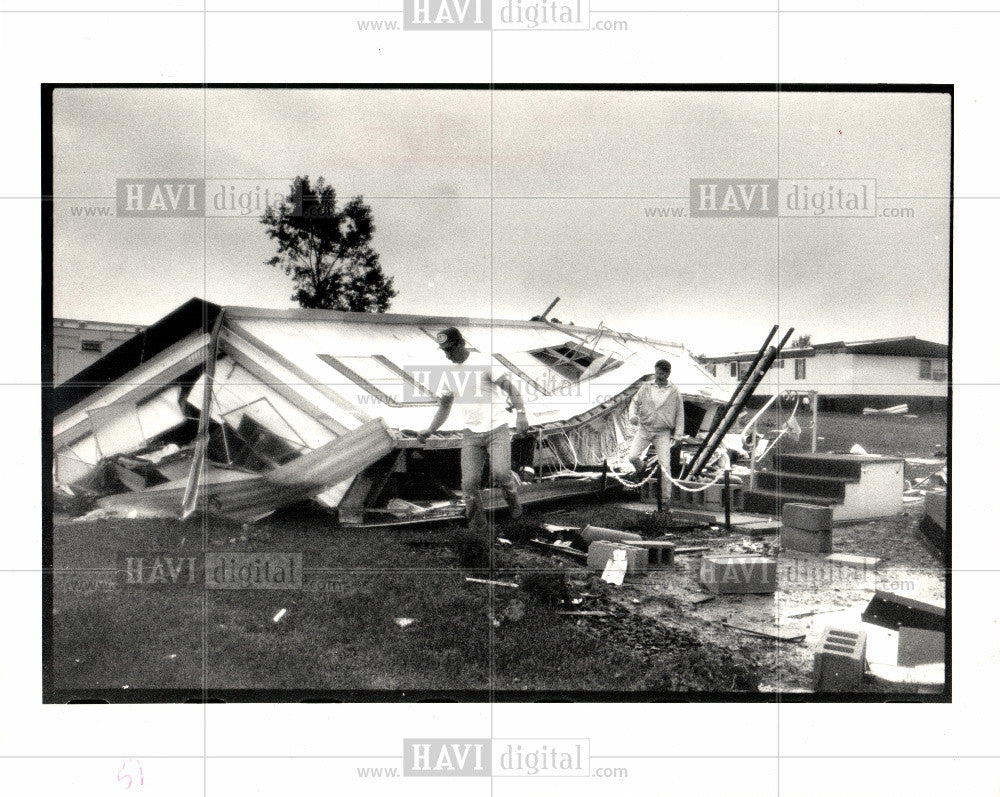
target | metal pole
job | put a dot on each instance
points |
(736, 407)
(549, 308)
(659, 487)
(722, 411)
(815, 400)
(725, 499)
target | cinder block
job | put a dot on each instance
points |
(739, 574)
(919, 646)
(601, 552)
(661, 553)
(936, 509)
(839, 661)
(686, 498)
(803, 540)
(712, 497)
(809, 517)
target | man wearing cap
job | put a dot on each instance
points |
(658, 410)
(481, 396)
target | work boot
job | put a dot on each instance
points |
(514, 504)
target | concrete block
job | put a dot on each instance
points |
(889, 610)
(712, 497)
(936, 509)
(686, 498)
(919, 646)
(661, 553)
(809, 517)
(601, 552)
(839, 661)
(725, 574)
(804, 540)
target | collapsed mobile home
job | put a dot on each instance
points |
(237, 411)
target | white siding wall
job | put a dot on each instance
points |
(895, 375)
(67, 357)
(844, 374)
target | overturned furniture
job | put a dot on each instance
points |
(239, 411)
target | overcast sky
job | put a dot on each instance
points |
(572, 177)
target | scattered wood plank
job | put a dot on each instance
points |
(561, 548)
(854, 561)
(693, 549)
(702, 599)
(812, 612)
(583, 613)
(510, 584)
(766, 632)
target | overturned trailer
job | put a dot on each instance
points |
(239, 411)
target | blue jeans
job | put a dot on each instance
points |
(474, 449)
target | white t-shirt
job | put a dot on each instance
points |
(480, 404)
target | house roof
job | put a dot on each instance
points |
(909, 346)
(340, 365)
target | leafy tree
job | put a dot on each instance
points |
(802, 341)
(327, 251)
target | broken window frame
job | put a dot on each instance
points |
(577, 357)
(92, 346)
(800, 368)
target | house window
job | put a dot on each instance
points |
(710, 368)
(732, 369)
(800, 369)
(90, 345)
(381, 378)
(936, 370)
(575, 362)
(781, 364)
(744, 369)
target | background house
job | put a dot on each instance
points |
(851, 375)
(77, 344)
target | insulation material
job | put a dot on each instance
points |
(606, 437)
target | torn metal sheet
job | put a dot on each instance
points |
(245, 497)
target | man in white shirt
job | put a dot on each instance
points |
(658, 410)
(481, 397)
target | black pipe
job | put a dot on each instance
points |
(725, 500)
(734, 410)
(721, 412)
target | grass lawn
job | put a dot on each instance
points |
(347, 628)
(341, 632)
